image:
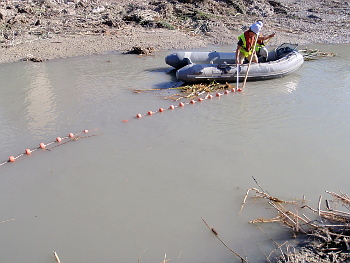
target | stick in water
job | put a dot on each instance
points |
(56, 257)
(237, 86)
(250, 61)
(217, 236)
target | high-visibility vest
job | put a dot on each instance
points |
(243, 49)
(259, 44)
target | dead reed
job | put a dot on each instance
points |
(324, 239)
(312, 54)
(329, 229)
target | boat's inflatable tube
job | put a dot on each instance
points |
(283, 64)
(181, 59)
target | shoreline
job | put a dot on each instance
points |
(67, 46)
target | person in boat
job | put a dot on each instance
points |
(260, 48)
(246, 43)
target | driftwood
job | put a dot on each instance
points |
(142, 50)
(195, 90)
(325, 238)
(330, 227)
(191, 91)
(310, 54)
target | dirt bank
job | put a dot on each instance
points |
(44, 29)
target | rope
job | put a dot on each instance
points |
(182, 104)
(59, 141)
(73, 137)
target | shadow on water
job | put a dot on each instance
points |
(169, 85)
(171, 82)
(166, 70)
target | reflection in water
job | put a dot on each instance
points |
(291, 85)
(40, 100)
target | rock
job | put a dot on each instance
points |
(141, 50)
(260, 8)
(314, 17)
(142, 16)
(30, 57)
(6, 13)
(98, 9)
(278, 7)
(179, 24)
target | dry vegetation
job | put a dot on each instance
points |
(45, 29)
(325, 231)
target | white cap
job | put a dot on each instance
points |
(260, 23)
(256, 27)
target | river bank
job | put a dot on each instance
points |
(42, 30)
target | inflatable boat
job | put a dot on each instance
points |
(217, 66)
(181, 59)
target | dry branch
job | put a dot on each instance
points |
(331, 227)
(56, 257)
(217, 236)
(264, 195)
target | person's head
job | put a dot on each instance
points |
(256, 27)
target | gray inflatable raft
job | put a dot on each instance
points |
(281, 61)
(181, 59)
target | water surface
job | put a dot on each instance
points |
(138, 189)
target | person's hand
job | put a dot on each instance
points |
(272, 35)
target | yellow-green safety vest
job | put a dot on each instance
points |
(243, 50)
(258, 46)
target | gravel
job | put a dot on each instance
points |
(39, 30)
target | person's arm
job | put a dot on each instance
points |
(263, 38)
(237, 54)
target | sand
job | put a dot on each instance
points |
(62, 32)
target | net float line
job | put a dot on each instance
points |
(58, 141)
(182, 104)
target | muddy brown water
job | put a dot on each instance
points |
(138, 190)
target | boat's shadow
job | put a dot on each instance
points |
(173, 82)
